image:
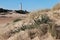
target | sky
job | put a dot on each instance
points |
(28, 4)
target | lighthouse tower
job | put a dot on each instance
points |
(21, 5)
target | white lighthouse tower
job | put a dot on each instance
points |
(21, 5)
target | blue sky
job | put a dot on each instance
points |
(28, 4)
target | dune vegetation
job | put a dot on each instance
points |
(38, 25)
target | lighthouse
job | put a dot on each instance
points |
(21, 5)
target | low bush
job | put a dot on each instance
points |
(21, 11)
(16, 20)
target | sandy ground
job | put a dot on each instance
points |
(8, 18)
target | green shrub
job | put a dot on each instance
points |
(27, 27)
(45, 19)
(16, 20)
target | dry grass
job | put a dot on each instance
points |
(43, 24)
(56, 7)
